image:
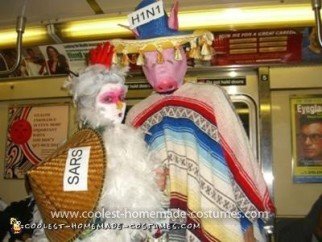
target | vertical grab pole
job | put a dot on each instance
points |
(316, 5)
(20, 29)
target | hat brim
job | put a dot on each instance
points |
(160, 43)
(46, 181)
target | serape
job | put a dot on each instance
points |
(199, 137)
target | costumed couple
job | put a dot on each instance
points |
(198, 158)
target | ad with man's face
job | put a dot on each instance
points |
(306, 113)
(311, 141)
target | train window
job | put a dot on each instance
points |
(243, 112)
(246, 109)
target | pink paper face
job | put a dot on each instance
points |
(167, 76)
(110, 103)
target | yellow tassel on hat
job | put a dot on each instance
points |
(205, 50)
(191, 52)
(208, 37)
(160, 58)
(195, 53)
(177, 54)
(207, 57)
(125, 60)
(140, 59)
(193, 44)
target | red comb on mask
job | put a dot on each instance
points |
(102, 54)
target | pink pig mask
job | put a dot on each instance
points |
(167, 76)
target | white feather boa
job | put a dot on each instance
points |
(129, 185)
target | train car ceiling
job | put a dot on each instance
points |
(51, 21)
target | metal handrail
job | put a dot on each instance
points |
(20, 28)
(316, 5)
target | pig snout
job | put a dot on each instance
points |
(166, 86)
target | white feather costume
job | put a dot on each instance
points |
(129, 183)
(130, 179)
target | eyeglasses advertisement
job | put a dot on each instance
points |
(306, 115)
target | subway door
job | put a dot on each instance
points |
(293, 199)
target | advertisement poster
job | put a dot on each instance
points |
(32, 62)
(48, 60)
(56, 60)
(257, 47)
(61, 59)
(306, 113)
(34, 133)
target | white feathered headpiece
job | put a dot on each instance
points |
(87, 85)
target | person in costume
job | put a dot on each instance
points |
(197, 134)
(129, 180)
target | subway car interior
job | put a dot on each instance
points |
(264, 56)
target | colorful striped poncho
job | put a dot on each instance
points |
(199, 137)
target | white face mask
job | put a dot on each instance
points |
(109, 104)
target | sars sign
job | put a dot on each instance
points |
(146, 14)
(76, 169)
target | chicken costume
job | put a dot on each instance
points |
(127, 173)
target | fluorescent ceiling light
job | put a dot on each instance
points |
(105, 27)
(295, 15)
(32, 35)
(284, 15)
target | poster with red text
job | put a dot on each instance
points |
(257, 47)
(34, 132)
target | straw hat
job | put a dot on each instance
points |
(51, 193)
(155, 31)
